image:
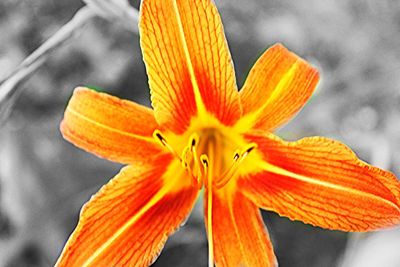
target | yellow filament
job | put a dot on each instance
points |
(227, 174)
(187, 154)
(237, 160)
(208, 173)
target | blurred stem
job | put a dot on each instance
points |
(119, 11)
(10, 88)
(66, 32)
(113, 10)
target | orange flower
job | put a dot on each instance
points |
(203, 132)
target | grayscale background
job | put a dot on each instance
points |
(44, 180)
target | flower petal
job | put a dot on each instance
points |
(188, 62)
(109, 127)
(322, 182)
(239, 234)
(128, 221)
(278, 86)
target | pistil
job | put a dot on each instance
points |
(208, 174)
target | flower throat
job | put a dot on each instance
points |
(208, 152)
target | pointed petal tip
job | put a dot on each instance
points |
(277, 87)
(321, 182)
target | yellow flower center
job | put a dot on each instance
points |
(215, 154)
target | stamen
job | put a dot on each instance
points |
(163, 142)
(193, 142)
(249, 148)
(188, 157)
(194, 139)
(205, 163)
(159, 137)
(236, 156)
(237, 160)
(204, 160)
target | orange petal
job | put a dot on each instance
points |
(128, 221)
(188, 62)
(278, 86)
(322, 182)
(109, 127)
(239, 234)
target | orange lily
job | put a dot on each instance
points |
(204, 133)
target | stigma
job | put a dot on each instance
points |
(208, 155)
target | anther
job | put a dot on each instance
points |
(163, 142)
(205, 162)
(238, 159)
(248, 149)
(251, 148)
(193, 141)
(158, 136)
(236, 156)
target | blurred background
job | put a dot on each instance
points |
(44, 180)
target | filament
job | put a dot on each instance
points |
(163, 142)
(238, 158)
(188, 154)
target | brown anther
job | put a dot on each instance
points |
(161, 138)
(231, 171)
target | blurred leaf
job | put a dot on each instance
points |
(96, 88)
